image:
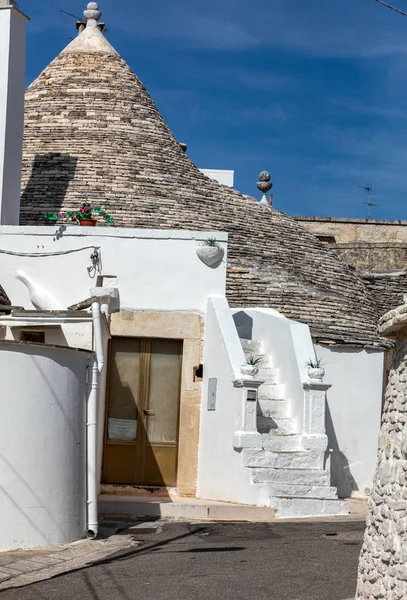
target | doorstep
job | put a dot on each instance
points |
(150, 507)
(138, 506)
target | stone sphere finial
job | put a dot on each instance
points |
(92, 13)
(264, 185)
(264, 176)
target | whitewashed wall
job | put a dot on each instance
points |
(74, 335)
(12, 85)
(221, 475)
(42, 445)
(353, 415)
(155, 269)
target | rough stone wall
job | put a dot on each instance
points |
(373, 257)
(368, 245)
(383, 560)
(349, 231)
(387, 289)
(92, 131)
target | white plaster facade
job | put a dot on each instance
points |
(289, 342)
(42, 445)
(12, 85)
(152, 268)
(353, 415)
(222, 176)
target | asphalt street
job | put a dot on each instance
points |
(225, 561)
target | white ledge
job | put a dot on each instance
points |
(64, 231)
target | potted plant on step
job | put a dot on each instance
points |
(251, 366)
(316, 371)
(84, 216)
(210, 252)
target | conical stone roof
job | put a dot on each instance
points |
(93, 132)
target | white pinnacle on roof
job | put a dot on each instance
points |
(92, 14)
(91, 39)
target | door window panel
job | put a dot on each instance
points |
(124, 389)
(164, 391)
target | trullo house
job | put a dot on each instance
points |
(169, 348)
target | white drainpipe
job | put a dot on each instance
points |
(91, 427)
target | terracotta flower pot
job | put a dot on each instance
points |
(87, 222)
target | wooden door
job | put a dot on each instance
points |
(141, 441)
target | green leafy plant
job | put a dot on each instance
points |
(213, 242)
(254, 361)
(314, 363)
(87, 211)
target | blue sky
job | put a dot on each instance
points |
(315, 91)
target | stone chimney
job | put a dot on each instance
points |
(12, 86)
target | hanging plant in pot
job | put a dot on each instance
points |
(316, 371)
(210, 252)
(84, 216)
(251, 366)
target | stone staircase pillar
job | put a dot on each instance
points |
(247, 435)
(315, 393)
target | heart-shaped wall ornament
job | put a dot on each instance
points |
(211, 256)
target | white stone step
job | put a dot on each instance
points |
(282, 443)
(308, 507)
(252, 346)
(292, 476)
(271, 425)
(310, 459)
(290, 490)
(269, 374)
(267, 364)
(271, 391)
(314, 442)
(273, 408)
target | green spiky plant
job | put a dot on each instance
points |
(213, 242)
(254, 361)
(314, 363)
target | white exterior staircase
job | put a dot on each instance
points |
(288, 461)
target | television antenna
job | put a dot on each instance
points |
(70, 15)
(369, 204)
(392, 7)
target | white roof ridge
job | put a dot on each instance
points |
(91, 40)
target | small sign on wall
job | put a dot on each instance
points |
(212, 385)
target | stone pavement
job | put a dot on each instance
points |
(23, 567)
